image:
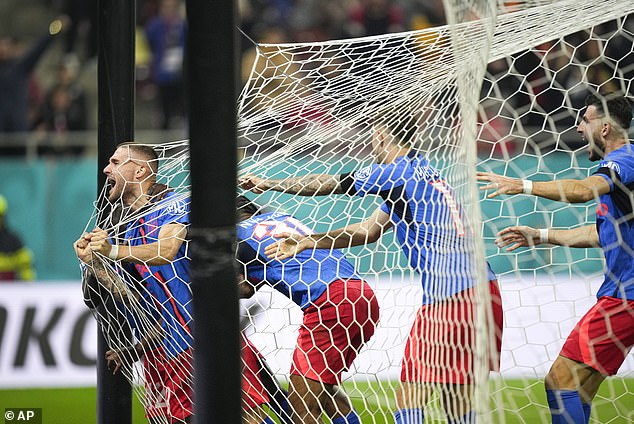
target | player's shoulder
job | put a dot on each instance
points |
(381, 171)
(174, 204)
(619, 160)
(423, 170)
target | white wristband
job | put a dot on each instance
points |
(543, 235)
(114, 252)
(527, 187)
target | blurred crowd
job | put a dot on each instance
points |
(62, 98)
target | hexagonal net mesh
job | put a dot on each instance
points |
(404, 322)
(501, 89)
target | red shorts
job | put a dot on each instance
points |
(334, 329)
(604, 335)
(439, 346)
(179, 386)
(155, 377)
(253, 392)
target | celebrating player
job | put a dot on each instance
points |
(340, 311)
(597, 346)
(429, 225)
(156, 249)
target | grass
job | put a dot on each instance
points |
(62, 406)
(512, 402)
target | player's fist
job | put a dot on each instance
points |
(82, 248)
(252, 183)
(100, 242)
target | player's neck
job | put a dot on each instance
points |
(138, 202)
(612, 145)
(395, 153)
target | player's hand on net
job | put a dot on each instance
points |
(289, 245)
(100, 242)
(500, 184)
(516, 237)
(252, 183)
(115, 359)
(82, 248)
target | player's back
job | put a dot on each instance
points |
(429, 222)
(304, 277)
(615, 223)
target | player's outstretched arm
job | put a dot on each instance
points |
(365, 232)
(571, 191)
(522, 236)
(308, 185)
(170, 238)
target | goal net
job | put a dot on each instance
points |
(499, 89)
(143, 303)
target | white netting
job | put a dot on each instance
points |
(313, 108)
(310, 108)
(143, 299)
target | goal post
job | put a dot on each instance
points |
(212, 91)
(116, 123)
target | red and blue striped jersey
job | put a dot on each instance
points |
(169, 284)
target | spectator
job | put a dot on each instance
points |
(16, 260)
(15, 70)
(426, 14)
(375, 17)
(65, 106)
(82, 38)
(166, 37)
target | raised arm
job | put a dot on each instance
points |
(307, 185)
(170, 238)
(95, 272)
(571, 191)
(523, 236)
(357, 234)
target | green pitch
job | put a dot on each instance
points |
(513, 402)
(61, 406)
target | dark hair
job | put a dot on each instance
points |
(245, 206)
(401, 127)
(145, 151)
(619, 108)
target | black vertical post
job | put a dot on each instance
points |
(115, 77)
(212, 87)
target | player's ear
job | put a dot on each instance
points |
(143, 172)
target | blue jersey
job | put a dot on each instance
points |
(302, 278)
(144, 317)
(427, 220)
(615, 223)
(168, 284)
